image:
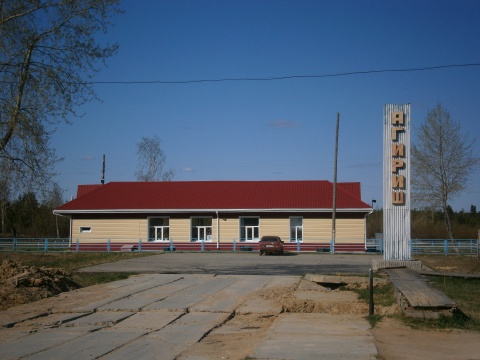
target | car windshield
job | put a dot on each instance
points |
(269, 239)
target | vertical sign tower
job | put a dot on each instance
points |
(396, 183)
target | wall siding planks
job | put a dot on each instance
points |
(277, 227)
(180, 229)
(124, 230)
(350, 231)
(229, 229)
(315, 230)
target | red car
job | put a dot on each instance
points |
(271, 245)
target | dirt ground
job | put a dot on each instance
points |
(20, 284)
(394, 341)
(239, 335)
(452, 264)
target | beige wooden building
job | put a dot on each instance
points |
(217, 214)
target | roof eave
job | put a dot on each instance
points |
(177, 211)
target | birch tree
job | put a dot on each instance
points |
(48, 54)
(442, 162)
(151, 161)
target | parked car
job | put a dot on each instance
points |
(271, 245)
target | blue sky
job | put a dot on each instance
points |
(273, 130)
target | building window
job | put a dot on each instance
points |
(85, 229)
(159, 229)
(249, 229)
(201, 229)
(296, 229)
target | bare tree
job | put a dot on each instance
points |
(442, 162)
(5, 191)
(151, 161)
(55, 199)
(48, 53)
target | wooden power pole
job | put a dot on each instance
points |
(102, 181)
(334, 199)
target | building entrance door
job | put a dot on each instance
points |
(204, 233)
(251, 233)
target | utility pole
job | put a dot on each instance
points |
(102, 181)
(334, 201)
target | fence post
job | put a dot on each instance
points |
(445, 247)
(171, 244)
(298, 246)
(203, 245)
(381, 245)
(77, 245)
(140, 245)
(15, 245)
(234, 245)
(108, 245)
(332, 247)
(45, 246)
(371, 309)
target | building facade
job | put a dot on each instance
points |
(217, 214)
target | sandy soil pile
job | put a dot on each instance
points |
(21, 284)
(322, 300)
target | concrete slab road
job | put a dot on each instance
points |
(195, 316)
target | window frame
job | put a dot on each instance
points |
(244, 227)
(208, 237)
(155, 229)
(294, 227)
(85, 229)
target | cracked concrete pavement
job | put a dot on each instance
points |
(179, 316)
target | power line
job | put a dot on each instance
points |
(288, 77)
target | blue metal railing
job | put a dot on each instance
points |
(374, 245)
(433, 246)
(35, 244)
(445, 246)
(468, 247)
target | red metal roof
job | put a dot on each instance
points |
(215, 195)
(83, 189)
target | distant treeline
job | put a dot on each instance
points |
(27, 217)
(430, 224)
